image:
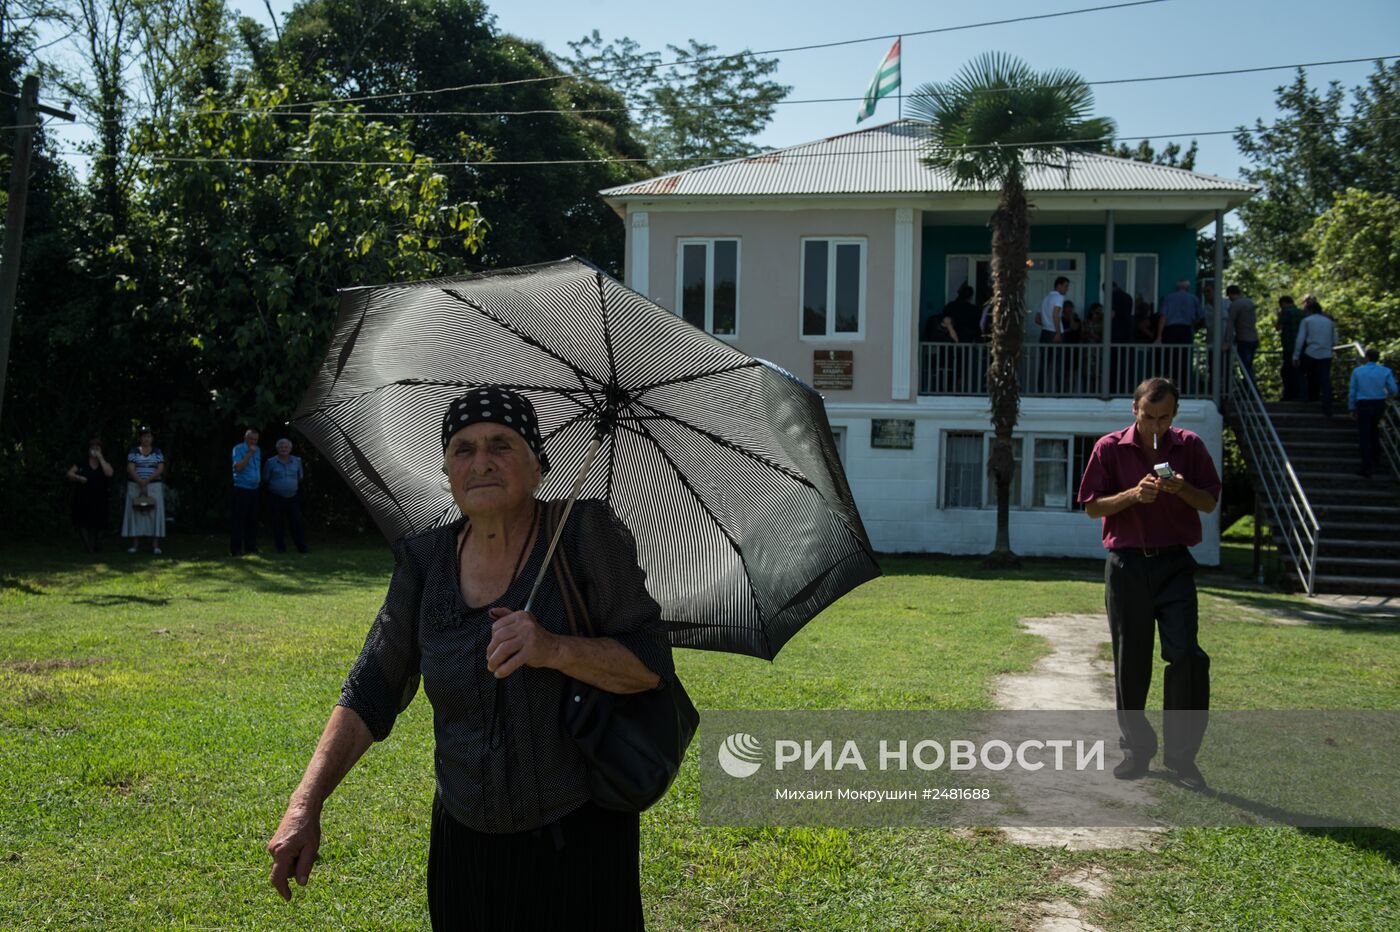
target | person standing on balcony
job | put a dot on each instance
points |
(1150, 518)
(1372, 385)
(1286, 322)
(1051, 311)
(1122, 334)
(1312, 352)
(1241, 331)
(1181, 313)
(1050, 321)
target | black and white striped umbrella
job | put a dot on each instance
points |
(722, 465)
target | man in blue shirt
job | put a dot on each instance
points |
(283, 474)
(1181, 315)
(1372, 385)
(247, 477)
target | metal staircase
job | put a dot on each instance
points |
(1336, 531)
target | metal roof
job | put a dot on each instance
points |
(887, 159)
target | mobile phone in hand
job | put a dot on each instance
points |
(1164, 471)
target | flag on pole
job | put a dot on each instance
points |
(885, 82)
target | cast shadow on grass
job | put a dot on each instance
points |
(19, 585)
(1383, 841)
(1294, 610)
(1032, 569)
(109, 601)
(1283, 816)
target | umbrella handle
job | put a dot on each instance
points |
(563, 519)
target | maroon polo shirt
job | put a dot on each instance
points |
(1118, 463)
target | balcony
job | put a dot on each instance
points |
(1067, 371)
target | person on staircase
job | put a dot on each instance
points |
(1312, 352)
(1372, 387)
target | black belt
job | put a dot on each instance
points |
(1168, 551)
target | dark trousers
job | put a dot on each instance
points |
(1291, 377)
(1145, 595)
(579, 873)
(243, 532)
(286, 512)
(1246, 351)
(1318, 373)
(1175, 361)
(1368, 432)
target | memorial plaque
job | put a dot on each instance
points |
(892, 433)
(832, 369)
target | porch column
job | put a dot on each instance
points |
(903, 321)
(640, 272)
(1105, 390)
(1217, 363)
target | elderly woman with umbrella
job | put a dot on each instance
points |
(516, 839)
(739, 527)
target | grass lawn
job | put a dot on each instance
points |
(156, 713)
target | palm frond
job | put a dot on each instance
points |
(997, 115)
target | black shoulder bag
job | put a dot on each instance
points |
(633, 744)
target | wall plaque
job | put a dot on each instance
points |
(892, 433)
(832, 369)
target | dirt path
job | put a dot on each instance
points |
(1072, 676)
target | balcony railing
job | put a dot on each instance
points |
(1066, 370)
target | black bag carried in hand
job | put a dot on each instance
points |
(633, 744)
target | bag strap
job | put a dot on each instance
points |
(575, 609)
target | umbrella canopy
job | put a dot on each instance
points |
(722, 465)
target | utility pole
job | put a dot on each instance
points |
(25, 114)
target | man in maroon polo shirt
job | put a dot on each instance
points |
(1149, 521)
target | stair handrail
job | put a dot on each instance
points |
(1389, 426)
(1292, 515)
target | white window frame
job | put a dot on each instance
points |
(1130, 286)
(1071, 487)
(943, 471)
(1026, 487)
(832, 335)
(709, 243)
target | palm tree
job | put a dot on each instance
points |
(994, 119)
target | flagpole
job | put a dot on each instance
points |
(901, 77)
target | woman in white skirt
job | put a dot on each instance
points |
(145, 467)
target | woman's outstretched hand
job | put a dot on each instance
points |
(294, 847)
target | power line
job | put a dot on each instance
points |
(713, 58)
(430, 163)
(405, 114)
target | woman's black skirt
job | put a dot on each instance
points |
(578, 873)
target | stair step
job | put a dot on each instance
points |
(1310, 473)
(1358, 532)
(1355, 585)
(1343, 511)
(1358, 566)
(1337, 546)
(1328, 494)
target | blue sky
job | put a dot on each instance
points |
(1165, 38)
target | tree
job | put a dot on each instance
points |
(242, 244)
(1356, 267)
(986, 125)
(410, 51)
(1299, 161)
(700, 107)
(1171, 154)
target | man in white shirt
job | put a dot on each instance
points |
(1051, 323)
(1051, 308)
(1312, 352)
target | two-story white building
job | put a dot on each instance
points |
(833, 258)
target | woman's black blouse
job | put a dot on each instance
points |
(534, 774)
